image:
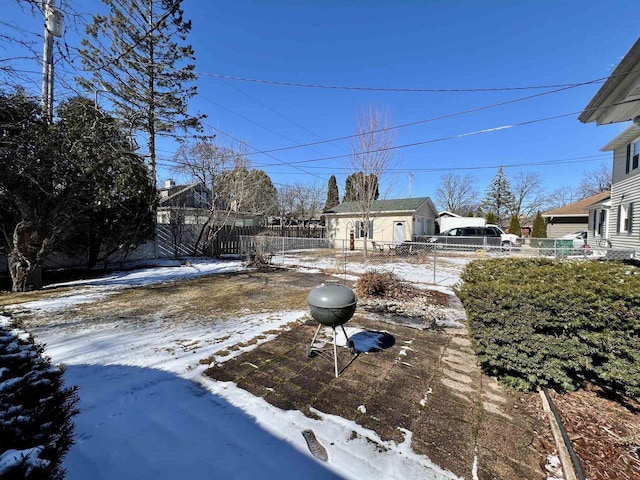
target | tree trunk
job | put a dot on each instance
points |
(25, 258)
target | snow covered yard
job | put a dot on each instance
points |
(146, 411)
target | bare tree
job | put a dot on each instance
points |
(300, 202)
(457, 193)
(595, 181)
(561, 196)
(370, 157)
(528, 195)
(209, 164)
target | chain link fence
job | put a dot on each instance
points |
(434, 257)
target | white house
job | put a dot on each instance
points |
(391, 221)
(618, 100)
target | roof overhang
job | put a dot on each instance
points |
(626, 137)
(564, 215)
(618, 100)
(371, 214)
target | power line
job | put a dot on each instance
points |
(452, 137)
(432, 119)
(392, 89)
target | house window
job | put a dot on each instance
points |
(360, 233)
(625, 218)
(627, 168)
(636, 155)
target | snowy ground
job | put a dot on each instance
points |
(147, 412)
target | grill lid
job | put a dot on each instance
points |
(331, 296)
(332, 304)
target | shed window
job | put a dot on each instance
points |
(360, 233)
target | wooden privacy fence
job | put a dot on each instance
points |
(228, 239)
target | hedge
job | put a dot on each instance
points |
(539, 322)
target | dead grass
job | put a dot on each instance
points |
(216, 297)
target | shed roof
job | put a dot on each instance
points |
(379, 206)
(579, 208)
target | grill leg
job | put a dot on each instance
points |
(313, 340)
(350, 344)
(335, 351)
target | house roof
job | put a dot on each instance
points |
(175, 191)
(579, 208)
(447, 213)
(618, 100)
(627, 136)
(380, 206)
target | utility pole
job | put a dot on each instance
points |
(52, 28)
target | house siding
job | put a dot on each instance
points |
(625, 192)
(620, 163)
(340, 225)
(561, 226)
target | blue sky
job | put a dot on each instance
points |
(448, 45)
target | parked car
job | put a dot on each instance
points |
(579, 238)
(489, 235)
(580, 245)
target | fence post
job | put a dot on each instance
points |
(435, 254)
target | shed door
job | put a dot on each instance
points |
(398, 232)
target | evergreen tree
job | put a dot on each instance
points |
(499, 198)
(35, 407)
(118, 213)
(514, 226)
(138, 54)
(333, 196)
(65, 186)
(349, 190)
(360, 187)
(539, 227)
(491, 218)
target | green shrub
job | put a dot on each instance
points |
(540, 322)
(514, 226)
(35, 409)
(539, 229)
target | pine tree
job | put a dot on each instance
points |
(333, 196)
(35, 407)
(514, 226)
(361, 188)
(539, 227)
(499, 198)
(491, 218)
(138, 54)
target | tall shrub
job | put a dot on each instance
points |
(539, 227)
(514, 226)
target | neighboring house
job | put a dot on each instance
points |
(618, 100)
(392, 221)
(191, 204)
(184, 204)
(573, 217)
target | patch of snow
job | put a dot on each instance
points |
(146, 410)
